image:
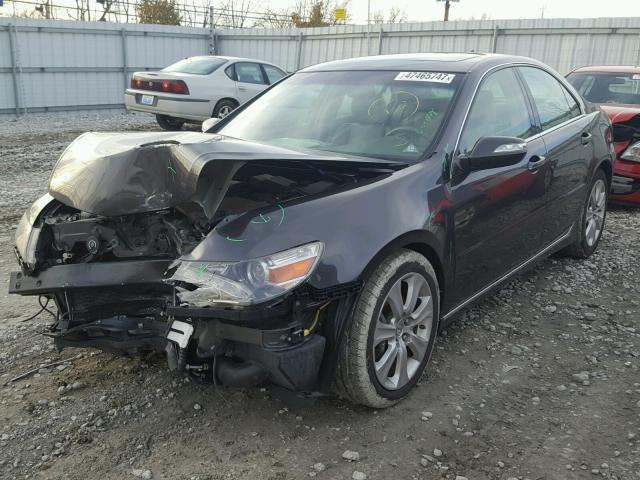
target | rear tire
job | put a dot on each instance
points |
(592, 218)
(169, 123)
(224, 107)
(391, 337)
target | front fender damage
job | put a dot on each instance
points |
(125, 207)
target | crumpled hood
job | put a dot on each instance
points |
(114, 174)
(620, 113)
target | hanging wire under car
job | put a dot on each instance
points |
(43, 308)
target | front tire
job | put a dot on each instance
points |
(592, 218)
(392, 333)
(169, 123)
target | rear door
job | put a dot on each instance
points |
(497, 213)
(249, 80)
(569, 143)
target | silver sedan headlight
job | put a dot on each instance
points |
(249, 281)
(27, 235)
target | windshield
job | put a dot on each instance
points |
(607, 87)
(384, 114)
(196, 65)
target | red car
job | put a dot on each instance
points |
(617, 91)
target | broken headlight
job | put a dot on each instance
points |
(27, 234)
(246, 282)
(632, 153)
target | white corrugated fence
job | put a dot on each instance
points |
(64, 65)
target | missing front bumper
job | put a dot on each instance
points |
(89, 275)
(126, 308)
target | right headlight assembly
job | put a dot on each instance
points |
(632, 153)
(246, 282)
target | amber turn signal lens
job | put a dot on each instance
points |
(292, 271)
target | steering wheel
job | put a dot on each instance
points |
(411, 133)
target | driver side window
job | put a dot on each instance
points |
(499, 109)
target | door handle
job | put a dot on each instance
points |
(586, 138)
(536, 162)
(242, 88)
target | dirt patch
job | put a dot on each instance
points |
(540, 381)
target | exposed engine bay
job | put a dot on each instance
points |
(109, 242)
(69, 236)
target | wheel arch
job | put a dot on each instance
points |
(607, 167)
(420, 241)
(231, 99)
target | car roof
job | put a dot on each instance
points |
(609, 69)
(441, 62)
(233, 59)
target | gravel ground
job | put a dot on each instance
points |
(539, 381)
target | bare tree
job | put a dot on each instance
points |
(82, 11)
(233, 14)
(275, 19)
(304, 13)
(395, 15)
(106, 6)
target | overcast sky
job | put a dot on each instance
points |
(427, 10)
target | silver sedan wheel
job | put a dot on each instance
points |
(224, 111)
(595, 212)
(402, 331)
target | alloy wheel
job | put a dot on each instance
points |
(402, 331)
(595, 212)
(224, 111)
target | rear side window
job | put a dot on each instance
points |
(273, 74)
(498, 110)
(196, 65)
(553, 102)
(249, 73)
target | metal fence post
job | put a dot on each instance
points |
(212, 34)
(14, 67)
(125, 63)
(299, 52)
(380, 34)
(494, 40)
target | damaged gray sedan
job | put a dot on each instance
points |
(318, 237)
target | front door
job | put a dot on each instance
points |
(249, 80)
(498, 214)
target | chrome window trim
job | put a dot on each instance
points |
(555, 127)
(533, 137)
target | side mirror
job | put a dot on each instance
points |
(493, 152)
(209, 123)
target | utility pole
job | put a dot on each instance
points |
(447, 6)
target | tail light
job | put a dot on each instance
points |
(136, 83)
(167, 86)
(175, 86)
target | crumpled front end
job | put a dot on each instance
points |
(625, 186)
(124, 244)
